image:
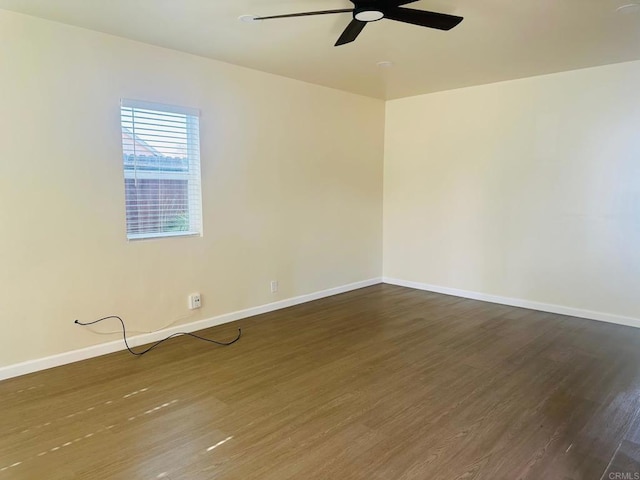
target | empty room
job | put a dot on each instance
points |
(274, 240)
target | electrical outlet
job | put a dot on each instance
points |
(195, 301)
(274, 286)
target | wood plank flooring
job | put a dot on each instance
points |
(380, 383)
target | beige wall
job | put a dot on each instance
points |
(292, 188)
(527, 189)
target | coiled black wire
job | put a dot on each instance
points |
(138, 354)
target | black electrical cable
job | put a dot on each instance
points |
(138, 354)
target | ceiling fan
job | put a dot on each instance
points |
(366, 11)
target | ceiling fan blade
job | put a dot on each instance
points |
(306, 14)
(351, 32)
(441, 21)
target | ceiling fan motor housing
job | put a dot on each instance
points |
(367, 12)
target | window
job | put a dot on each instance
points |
(161, 159)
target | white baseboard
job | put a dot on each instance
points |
(518, 302)
(31, 366)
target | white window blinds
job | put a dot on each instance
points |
(161, 160)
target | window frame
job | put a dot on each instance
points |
(192, 175)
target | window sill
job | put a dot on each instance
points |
(154, 236)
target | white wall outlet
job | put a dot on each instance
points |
(274, 286)
(195, 301)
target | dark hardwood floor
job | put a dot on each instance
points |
(380, 383)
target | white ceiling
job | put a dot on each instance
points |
(498, 40)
